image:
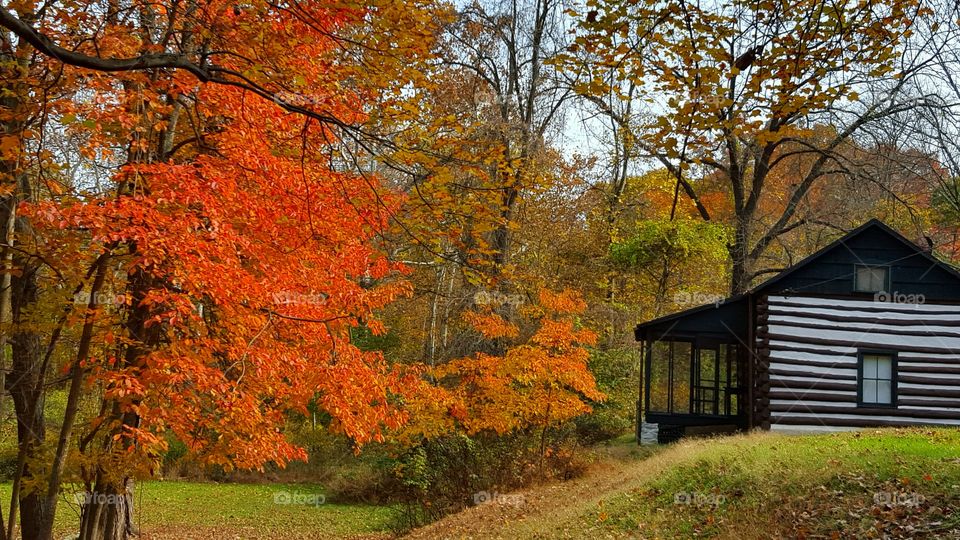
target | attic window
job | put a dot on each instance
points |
(871, 278)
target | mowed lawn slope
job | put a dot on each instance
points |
(894, 483)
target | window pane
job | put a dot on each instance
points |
(884, 394)
(708, 365)
(869, 367)
(732, 353)
(863, 276)
(722, 361)
(871, 278)
(878, 281)
(869, 391)
(659, 376)
(681, 376)
(884, 366)
(877, 380)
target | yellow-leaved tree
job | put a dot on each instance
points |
(736, 89)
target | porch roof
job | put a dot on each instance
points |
(726, 318)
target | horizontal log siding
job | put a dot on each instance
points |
(812, 346)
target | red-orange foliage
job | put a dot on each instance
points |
(262, 261)
(259, 251)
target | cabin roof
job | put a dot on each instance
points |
(924, 272)
(873, 224)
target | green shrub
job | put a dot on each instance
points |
(8, 462)
(176, 452)
(446, 474)
(603, 424)
(618, 377)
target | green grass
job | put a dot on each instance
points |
(760, 485)
(815, 485)
(163, 506)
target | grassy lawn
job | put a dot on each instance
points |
(892, 483)
(207, 510)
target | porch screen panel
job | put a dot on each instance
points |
(731, 354)
(660, 376)
(682, 353)
(709, 384)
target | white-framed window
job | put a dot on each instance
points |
(871, 278)
(878, 380)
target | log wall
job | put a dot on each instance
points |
(809, 362)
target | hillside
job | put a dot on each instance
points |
(897, 483)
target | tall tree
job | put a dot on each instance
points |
(26, 85)
(208, 302)
(494, 111)
(736, 89)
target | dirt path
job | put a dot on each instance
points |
(550, 511)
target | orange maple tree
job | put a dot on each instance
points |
(211, 277)
(258, 265)
(541, 378)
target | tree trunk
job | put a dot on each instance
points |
(740, 258)
(55, 475)
(502, 236)
(31, 431)
(24, 379)
(107, 510)
(24, 383)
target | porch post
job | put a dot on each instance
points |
(640, 384)
(751, 353)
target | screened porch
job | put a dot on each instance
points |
(693, 381)
(695, 367)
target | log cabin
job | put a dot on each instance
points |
(864, 332)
